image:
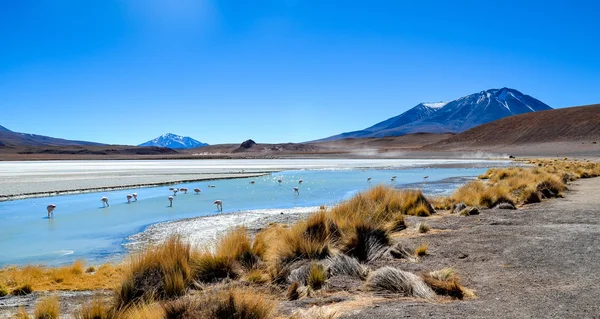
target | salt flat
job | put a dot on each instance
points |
(23, 179)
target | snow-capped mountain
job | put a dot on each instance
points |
(174, 141)
(455, 116)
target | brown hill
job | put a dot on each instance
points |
(10, 138)
(559, 129)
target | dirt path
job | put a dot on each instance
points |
(541, 261)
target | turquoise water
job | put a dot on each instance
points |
(82, 229)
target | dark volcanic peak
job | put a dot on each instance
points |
(247, 144)
(455, 116)
(174, 141)
(4, 129)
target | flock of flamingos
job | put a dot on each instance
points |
(218, 202)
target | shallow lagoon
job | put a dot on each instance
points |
(83, 229)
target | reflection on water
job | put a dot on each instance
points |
(82, 228)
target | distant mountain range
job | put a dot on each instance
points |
(452, 117)
(174, 141)
(10, 138)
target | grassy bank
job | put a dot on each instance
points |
(246, 276)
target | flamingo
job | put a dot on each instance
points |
(175, 190)
(368, 180)
(184, 190)
(170, 201)
(279, 180)
(219, 204)
(50, 209)
(104, 201)
(129, 197)
(252, 182)
(171, 188)
(424, 178)
(134, 197)
(197, 190)
(211, 186)
(300, 181)
(296, 191)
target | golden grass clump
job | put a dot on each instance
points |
(22, 290)
(161, 272)
(209, 267)
(365, 242)
(317, 276)
(423, 227)
(96, 309)
(3, 290)
(421, 250)
(449, 287)
(47, 308)
(236, 245)
(20, 314)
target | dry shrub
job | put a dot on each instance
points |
(21, 314)
(160, 272)
(423, 227)
(22, 290)
(47, 308)
(263, 239)
(3, 291)
(236, 245)
(232, 303)
(256, 276)
(307, 239)
(292, 292)
(342, 265)
(365, 242)
(421, 250)
(143, 311)
(315, 312)
(317, 276)
(392, 280)
(396, 224)
(449, 287)
(211, 268)
(96, 309)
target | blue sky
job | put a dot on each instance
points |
(123, 72)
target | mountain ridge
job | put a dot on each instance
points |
(174, 141)
(452, 117)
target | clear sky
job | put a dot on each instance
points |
(126, 71)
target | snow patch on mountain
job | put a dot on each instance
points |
(174, 141)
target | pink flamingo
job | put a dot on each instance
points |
(300, 181)
(197, 190)
(368, 180)
(104, 201)
(184, 190)
(134, 196)
(129, 197)
(296, 191)
(219, 204)
(50, 209)
(170, 201)
(279, 180)
(175, 190)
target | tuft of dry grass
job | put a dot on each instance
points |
(292, 292)
(393, 280)
(21, 314)
(423, 227)
(365, 242)
(96, 309)
(421, 250)
(236, 246)
(3, 290)
(341, 264)
(143, 311)
(22, 290)
(211, 268)
(449, 287)
(317, 276)
(161, 272)
(47, 308)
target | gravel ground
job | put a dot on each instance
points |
(536, 262)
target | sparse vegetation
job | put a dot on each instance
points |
(393, 280)
(47, 308)
(334, 241)
(21, 314)
(421, 250)
(423, 227)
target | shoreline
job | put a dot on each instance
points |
(4, 198)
